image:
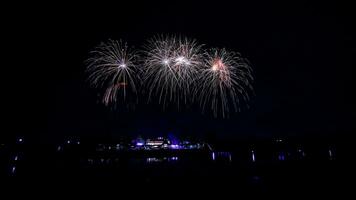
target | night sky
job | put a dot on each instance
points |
(302, 54)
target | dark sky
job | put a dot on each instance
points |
(302, 54)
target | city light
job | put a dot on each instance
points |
(174, 146)
(13, 170)
(20, 140)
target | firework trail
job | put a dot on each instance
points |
(224, 80)
(112, 66)
(171, 65)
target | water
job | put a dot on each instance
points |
(243, 170)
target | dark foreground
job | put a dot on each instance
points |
(249, 170)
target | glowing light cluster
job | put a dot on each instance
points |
(172, 70)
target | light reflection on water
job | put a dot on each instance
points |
(162, 159)
(215, 156)
(221, 155)
(255, 156)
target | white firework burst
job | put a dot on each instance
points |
(112, 66)
(175, 71)
(171, 64)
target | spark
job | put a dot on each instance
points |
(181, 60)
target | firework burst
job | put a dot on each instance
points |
(175, 71)
(224, 81)
(171, 65)
(112, 66)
